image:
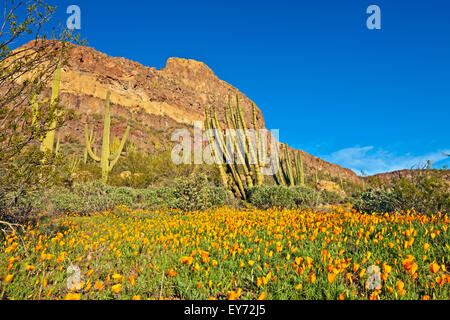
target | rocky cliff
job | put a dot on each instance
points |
(153, 102)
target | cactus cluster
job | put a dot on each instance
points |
(229, 170)
(287, 176)
(109, 155)
(107, 158)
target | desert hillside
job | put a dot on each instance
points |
(153, 102)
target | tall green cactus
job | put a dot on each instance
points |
(221, 166)
(299, 168)
(280, 177)
(288, 165)
(49, 140)
(222, 146)
(91, 141)
(107, 160)
(242, 159)
(250, 155)
(340, 180)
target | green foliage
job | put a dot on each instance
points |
(265, 197)
(427, 192)
(377, 201)
(192, 193)
(188, 195)
(27, 115)
(331, 197)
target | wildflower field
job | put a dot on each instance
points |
(229, 254)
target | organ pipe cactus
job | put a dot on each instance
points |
(250, 155)
(107, 160)
(247, 170)
(222, 146)
(49, 140)
(220, 165)
(288, 165)
(301, 173)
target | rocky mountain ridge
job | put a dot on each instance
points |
(153, 102)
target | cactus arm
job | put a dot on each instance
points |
(119, 151)
(91, 140)
(302, 174)
(248, 176)
(88, 145)
(232, 114)
(255, 127)
(222, 146)
(47, 143)
(57, 145)
(251, 155)
(289, 165)
(221, 167)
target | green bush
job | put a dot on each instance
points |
(331, 197)
(218, 197)
(427, 191)
(69, 203)
(265, 197)
(377, 201)
(192, 193)
(307, 197)
(124, 196)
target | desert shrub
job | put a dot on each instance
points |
(427, 192)
(265, 197)
(192, 193)
(68, 203)
(96, 195)
(156, 198)
(377, 201)
(331, 197)
(147, 198)
(218, 197)
(124, 196)
(92, 189)
(306, 196)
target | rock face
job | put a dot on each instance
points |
(153, 102)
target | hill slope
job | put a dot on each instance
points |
(153, 102)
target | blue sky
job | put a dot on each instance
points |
(372, 100)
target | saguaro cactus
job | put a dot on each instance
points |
(49, 140)
(107, 160)
(91, 141)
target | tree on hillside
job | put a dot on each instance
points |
(25, 116)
